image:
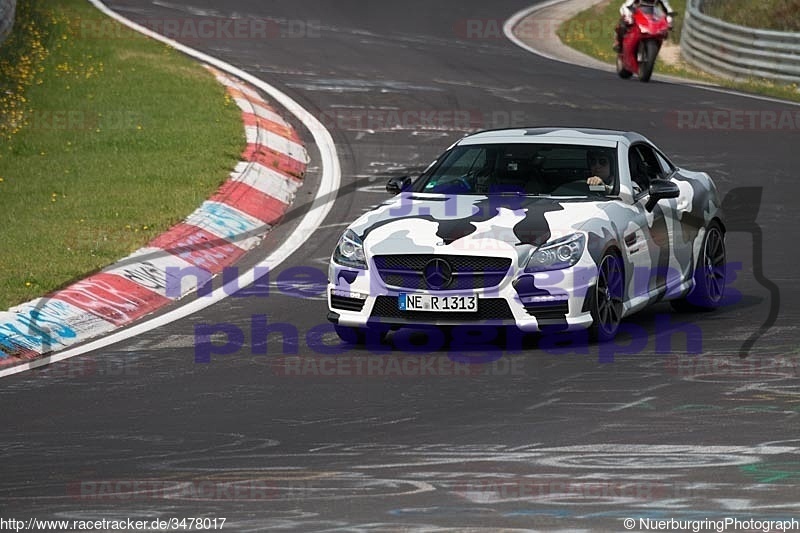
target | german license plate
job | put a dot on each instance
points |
(434, 303)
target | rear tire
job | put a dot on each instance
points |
(650, 53)
(709, 274)
(606, 303)
(621, 70)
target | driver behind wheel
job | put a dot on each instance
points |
(599, 162)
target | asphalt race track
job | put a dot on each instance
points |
(423, 437)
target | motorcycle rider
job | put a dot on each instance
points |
(626, 17)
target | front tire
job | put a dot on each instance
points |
(708, 275)
(606, 300)
(649, 55)
(350, 335)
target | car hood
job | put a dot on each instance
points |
(471, 224)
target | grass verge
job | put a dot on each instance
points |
(779, 15)
(108, 138)
(592, 32)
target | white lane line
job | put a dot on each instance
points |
(632, 404)
(509, 25)
(320, 207)
(542, 404)
(334, 225)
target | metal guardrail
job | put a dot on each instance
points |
(7, 9)
(734, 51)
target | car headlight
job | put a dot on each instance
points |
(561, 253)
(350, 251)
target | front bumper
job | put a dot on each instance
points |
(544, 301)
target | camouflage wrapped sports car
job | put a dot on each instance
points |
(542, 229)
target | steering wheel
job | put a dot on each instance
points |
(457, 186)
(464, 183)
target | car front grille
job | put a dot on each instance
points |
(469, 272)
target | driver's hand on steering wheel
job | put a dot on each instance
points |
(597, 181)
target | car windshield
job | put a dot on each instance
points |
(522, 168)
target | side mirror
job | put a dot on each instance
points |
(661, 190)
(398, 184)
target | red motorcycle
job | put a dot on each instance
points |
(642, 42)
